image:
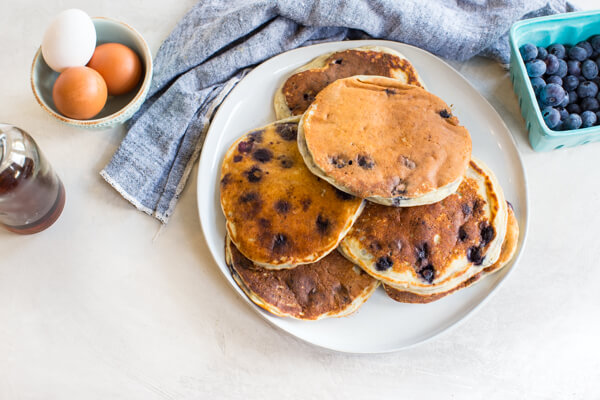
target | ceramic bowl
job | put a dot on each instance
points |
(118, 109)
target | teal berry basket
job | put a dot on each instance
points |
(569, 28)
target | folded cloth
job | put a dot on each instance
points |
(216, 43)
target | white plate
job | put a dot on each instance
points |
(381, 325)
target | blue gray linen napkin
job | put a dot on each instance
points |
(219, 40)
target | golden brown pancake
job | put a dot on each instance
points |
(331, 287)
(300, 89)
(433, 248)
(509, 247)
(382, 140)
(278, 214)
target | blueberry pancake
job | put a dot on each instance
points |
(278, 213)
(388, 142)
(331, 287)
(509, 247)
(299, 90)
(433, 248)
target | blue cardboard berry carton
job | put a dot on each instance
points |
(569, 29)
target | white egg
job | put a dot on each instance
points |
(69, 41)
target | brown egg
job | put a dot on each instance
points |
(119, 66)
(79, 93)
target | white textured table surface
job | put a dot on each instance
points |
(94, 308)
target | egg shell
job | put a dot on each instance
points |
(120, 67)
(79, 93)
(69, 40)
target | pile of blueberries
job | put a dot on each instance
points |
(565, 80)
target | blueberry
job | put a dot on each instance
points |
(563, 112)
(285, 161)
(552, 95)
(249, 197)
(466, 209)
(487, 233)
(572, 96)
(554, 79)
(528, 52)
(444, 113)
(587, 46)
(574, 108)
(565, 101)
(287, 131)
(263, 155)
(598, 116)
(538, 84)
(542, 53)
(588, 118)
(422, 252)
(254, 174)
(574, 67)
(578, 53)
(595, 41)
(589, 69)
(474, 255)
(552, 64)
(587, 89)
(245, 147)
(428, 273)
(535, 68)
(323, 224)
(282, 206)
(551, 117)
(462, 234)
(589, 104)
(559, 127)
(570, 82)
(365, 162)
(384, 263)
(280, 243)
(308, 97)
(256, 136)
(557, 50)
(562, 69)
(573, 121)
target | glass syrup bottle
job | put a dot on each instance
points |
(32, 196)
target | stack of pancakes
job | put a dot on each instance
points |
(366, 161)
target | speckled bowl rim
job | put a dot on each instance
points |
(147, 55)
